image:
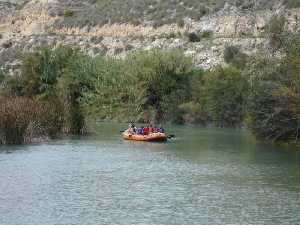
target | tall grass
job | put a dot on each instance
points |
(23, 118)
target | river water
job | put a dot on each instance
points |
(204, 176)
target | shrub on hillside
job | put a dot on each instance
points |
(206, 34)
(193, 37)
(275, 31)
(2, 76)
(234, 57)
(291, 44)
(68, 13)
(180, 23)
(11, 86)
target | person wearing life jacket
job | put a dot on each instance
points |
(161, 130)
(135, 129)
(131, 128)
(140, 131)
(151, 128)
(145, 130)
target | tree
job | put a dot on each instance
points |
(225, 91)
(159, 81)
(273, 108)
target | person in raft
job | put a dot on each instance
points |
(140, 131)
(146, 130)
(132, 129)
(161, 130)
(151, 128)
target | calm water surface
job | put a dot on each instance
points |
(205, 176)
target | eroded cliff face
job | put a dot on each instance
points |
(23, 30)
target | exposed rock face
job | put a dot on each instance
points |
(34, 25)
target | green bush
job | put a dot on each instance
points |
(76, 80)
(52, 85)
(230, 53)
(41, 70)
(194, 109)
(234, 57)
(206, 34)
(275, 31)
(41, 73)
(106, 95)
(145, 86)
(160, 81)
(2, 76)
(193, 37)
(291, 44)
(11, 86)
(273, 108)
(225, 93)
(192, 113)
(180, 23)
(60, 88)
(68, 13)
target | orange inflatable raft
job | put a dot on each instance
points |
(153, 137)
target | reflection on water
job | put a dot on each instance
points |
(203, 176)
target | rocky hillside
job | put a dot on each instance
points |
(201, 28)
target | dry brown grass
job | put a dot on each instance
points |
(16, 114)
(31, 22)
(22, 119)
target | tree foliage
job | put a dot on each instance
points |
(276, 31)
(60, 88)
(225, 93)
(274, 99)
(159, 82)
(234, 57)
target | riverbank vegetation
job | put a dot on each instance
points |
(60, 89)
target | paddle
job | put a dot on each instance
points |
(171, 136)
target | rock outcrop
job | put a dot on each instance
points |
(35, 24)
